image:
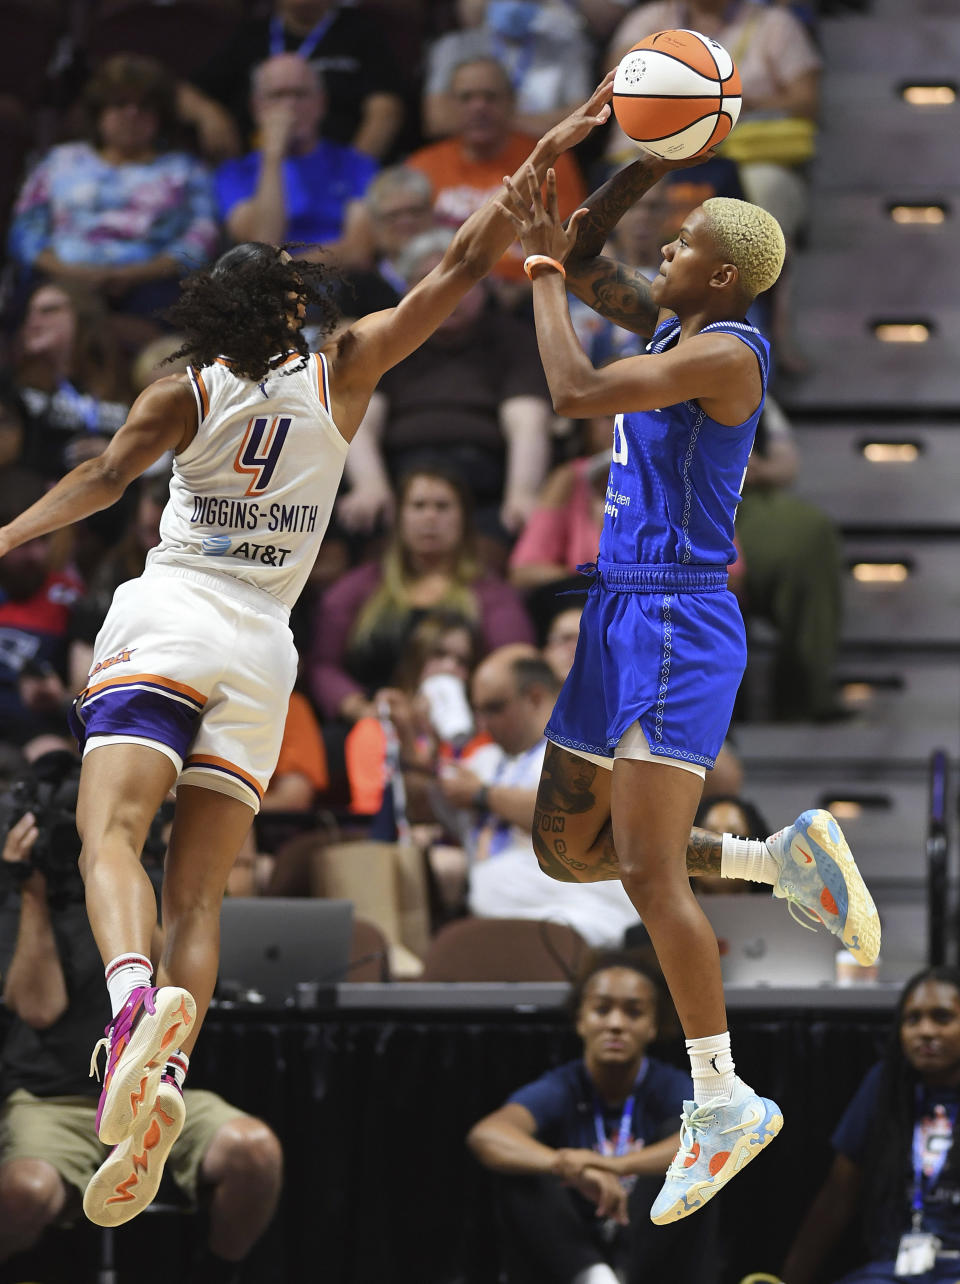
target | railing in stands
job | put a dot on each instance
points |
(936, 855)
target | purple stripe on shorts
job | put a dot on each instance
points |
(130, 712)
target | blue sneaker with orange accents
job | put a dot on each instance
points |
(716, 1142)
(819, 877)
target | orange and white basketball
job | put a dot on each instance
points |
(677, 93)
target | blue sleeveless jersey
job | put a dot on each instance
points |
(662, 641)
(676, 474)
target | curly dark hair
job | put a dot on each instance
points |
(240, 307)
(887, 1160)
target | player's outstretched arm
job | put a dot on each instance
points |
(617, 291)
(164, 417)
(377, 342)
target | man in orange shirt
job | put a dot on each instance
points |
(466, 168)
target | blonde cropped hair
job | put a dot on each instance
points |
(748, 237)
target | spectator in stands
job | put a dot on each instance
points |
(37, 598)
(542, 48)
(397, 207)
(53, 990)
(561, 640)
(363, 620)
(780, 68)
(425, 720)
(297, 185)
(579, 1154)
(792, 575)
(495, 788)
(124, 561)
(562, 531)
(362, 79)
(895, 1171)
(14, 423)
(121, 213)
(69, 371)
(474, 391)
(465, 168)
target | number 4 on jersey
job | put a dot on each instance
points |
(260, 449)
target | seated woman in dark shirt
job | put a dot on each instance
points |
(894, 1168)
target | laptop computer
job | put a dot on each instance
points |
(760, 944)
(270, 943)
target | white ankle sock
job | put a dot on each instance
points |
(599, 1273)
(124, 974)
(178, 1063)
(712, 1067)
(747, 858)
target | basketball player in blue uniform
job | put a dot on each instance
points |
(662, 647)
(195, 662)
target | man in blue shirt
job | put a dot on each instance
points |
(579, 1152)
(297, 186)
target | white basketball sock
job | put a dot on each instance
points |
(178, 1063)
(747, 858)
(124, 974)
(712, 1068)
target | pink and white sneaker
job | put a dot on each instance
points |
(151, 1024)
(128, 1179)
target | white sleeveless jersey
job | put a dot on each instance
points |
(252, 494)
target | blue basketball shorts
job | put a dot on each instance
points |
(663, 646)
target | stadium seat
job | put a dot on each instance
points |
(504, 949)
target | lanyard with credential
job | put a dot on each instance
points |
(626, 1119)
(309, 42)
(924, 1182)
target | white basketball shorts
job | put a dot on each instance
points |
(198, 666)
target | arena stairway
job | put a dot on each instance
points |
(877, 431)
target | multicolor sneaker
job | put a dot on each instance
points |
(819, 876)
(152, 1023)
(716, 1141)
(127, 1180)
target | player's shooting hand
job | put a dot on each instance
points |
(20, 839)
(537, 223)
(574, 128)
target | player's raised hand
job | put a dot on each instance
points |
(537, 223)
(574, 128)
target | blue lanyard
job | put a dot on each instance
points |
(626, 1119)
(309, 42)
(924, 1182)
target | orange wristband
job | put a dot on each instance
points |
(542, 260)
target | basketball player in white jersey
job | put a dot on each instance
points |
(195, 661)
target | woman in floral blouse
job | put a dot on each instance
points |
(121, 213)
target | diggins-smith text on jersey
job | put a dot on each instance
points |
(252, 494)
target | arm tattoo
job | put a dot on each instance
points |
(703, 852)
(618, 292)
(609, 203)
